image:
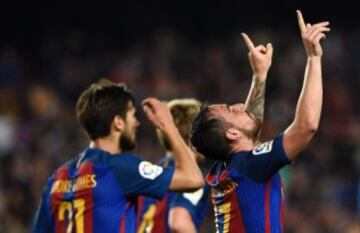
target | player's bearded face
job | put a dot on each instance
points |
(249, 126)
(239, 118)
(252, 131)
(128, 139)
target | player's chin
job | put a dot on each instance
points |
(128, 143)
(133, 141)
(128, 146)
(133, 138)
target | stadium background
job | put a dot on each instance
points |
(170, 49)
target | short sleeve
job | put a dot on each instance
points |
(138, 177)
(43, 221)
(264, 160)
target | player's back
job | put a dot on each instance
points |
(96, 192)
(247, 190)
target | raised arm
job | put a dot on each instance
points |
(260, 60)
(308, 109)
(187, 175)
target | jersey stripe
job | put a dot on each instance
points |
(123, 218)
(282, 214)
(139, 210)
(59, 211)
(87, 196)
(237, 224)
(160, 215)
(219, 218)
(267, 206)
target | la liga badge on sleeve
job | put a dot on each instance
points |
(263, 148)
(149, 170)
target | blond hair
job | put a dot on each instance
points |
(183, 112)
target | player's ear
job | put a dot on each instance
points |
(232, 134)
(118, 123)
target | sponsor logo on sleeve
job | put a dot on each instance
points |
(263, 148)
(149, 170)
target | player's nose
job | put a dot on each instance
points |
(238, 107)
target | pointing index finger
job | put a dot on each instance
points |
(301, 21)
(248, 42)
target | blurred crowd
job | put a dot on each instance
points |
(38, 129)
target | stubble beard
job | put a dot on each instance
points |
(127, 142)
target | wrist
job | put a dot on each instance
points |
(314, 58)
(259, 77)
(173, 136)
(170, 130)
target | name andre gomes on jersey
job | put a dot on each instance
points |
(80, 183)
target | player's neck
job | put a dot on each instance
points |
(243, 145)
(108, 144)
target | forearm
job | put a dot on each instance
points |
(255, 100)
(308, 109)
(186, 166)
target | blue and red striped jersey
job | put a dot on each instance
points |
(153, 213)
(247, 191)
(97, 192)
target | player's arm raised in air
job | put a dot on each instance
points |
(187, 175)
(260, 61)
(308, 109)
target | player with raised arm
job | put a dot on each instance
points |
(176, 211)
(246, 185)
(97, 190)
(183, 212)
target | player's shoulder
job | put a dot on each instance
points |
(239, 161)
(71, 164)
(62, 172)
(124, 158)
(128, 163)
(237, 158)
(274, 145)
(260, 148)
(64, 169)
(129, 168)
(119, 163)
(101, 157)
(263, 148)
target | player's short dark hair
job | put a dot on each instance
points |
(99, 104)
(183, 112)
(208, 135)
